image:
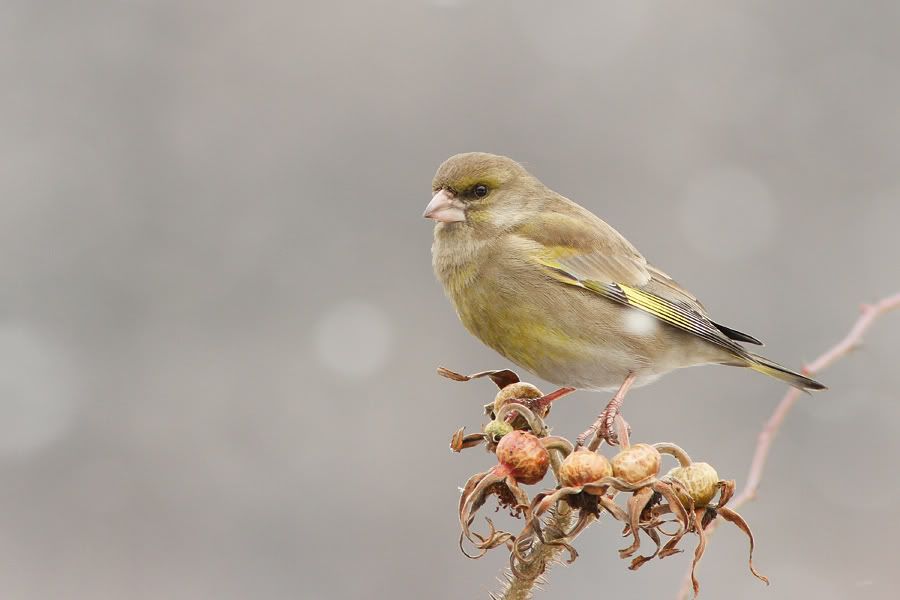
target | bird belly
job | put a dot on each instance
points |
(576, 338)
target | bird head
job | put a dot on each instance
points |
(480, 190)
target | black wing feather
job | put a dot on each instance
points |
(736, 335)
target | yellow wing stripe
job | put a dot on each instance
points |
(654, 306)
(662, 309)
(679, 317)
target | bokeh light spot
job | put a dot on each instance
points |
(37, 397)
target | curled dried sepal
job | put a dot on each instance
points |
(618, 484)
(522, 417)
(639, 561)
(501, 377)
(695, 519)
(732, 517)
(683, 516)
(492, 540)
(726, 491)
(589, 505)
(460, 441)
(636, 505)
(473, 497)
(698, 551)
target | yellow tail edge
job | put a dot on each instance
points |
(767, 367)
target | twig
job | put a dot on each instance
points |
(870, 313)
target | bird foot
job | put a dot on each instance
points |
(603, 429)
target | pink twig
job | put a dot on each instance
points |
(870, 313)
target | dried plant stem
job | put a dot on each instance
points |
(521, 586)
(870, 313)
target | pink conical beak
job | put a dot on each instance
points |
(445, 208)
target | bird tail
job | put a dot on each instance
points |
(766, 366)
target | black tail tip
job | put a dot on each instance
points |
(812, 384)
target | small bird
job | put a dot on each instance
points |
(559, 292)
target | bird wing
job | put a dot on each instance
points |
(581, 250)
(663, 285)
(578, 241)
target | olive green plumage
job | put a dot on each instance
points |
(559, 292)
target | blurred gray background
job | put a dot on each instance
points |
(220, 326)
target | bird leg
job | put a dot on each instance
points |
(604, 426)
(540, 405)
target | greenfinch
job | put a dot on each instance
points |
(559, 292)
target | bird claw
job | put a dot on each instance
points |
(604, 429)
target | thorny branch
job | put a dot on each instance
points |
(662, 508)
(869, 314)
(689, 499)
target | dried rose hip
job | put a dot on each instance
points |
(699, 480)
(523, 456)
(636, 463)
(520, 390)
(583, 466)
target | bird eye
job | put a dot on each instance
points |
(480, 190)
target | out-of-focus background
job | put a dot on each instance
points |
(220, 327)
